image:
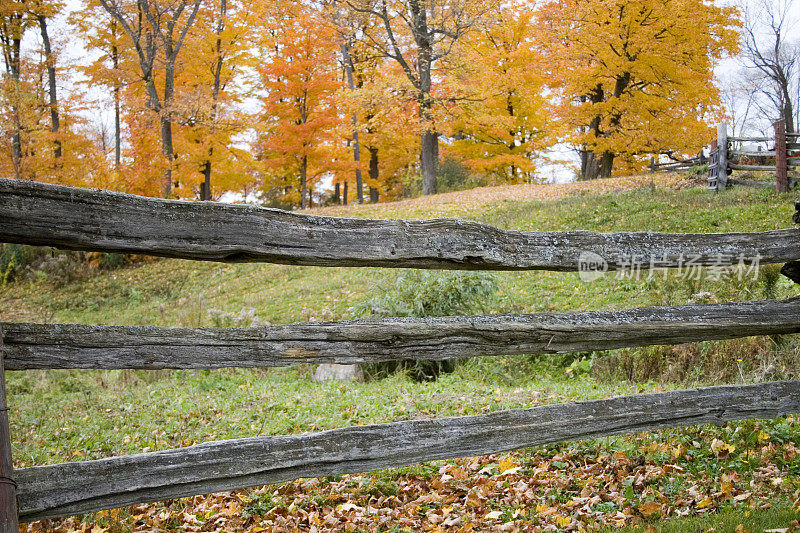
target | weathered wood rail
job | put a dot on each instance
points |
(37, 346)
(65, 217)
(86, 486)
(115, 222)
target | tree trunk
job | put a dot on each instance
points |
(303, 181)
(117, 128)
(347, 60)
(429, 142)
(606, 164)
(206, 189)
(589, 169)
(595, 165)
(13, 67)
(337, 193)
(166, 123)
(166, 135)
(591, 161)
(344, 194)
(788, 114)
(357, 159)
(429, 160)
(51, 82)
(374, 173)
(167, 152)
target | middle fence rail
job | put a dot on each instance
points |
(49, 346)
(82, 219)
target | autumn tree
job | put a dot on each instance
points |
(299, 78)
(349, 24)
(42, 128)
(207, 108)
(388, 124)
(157, 29)
(635, 77)
(500, 122)
(43, 11)
(102, 33)
(12, 27)
(417, 34)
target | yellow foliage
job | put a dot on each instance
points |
(636, 77)
(500, 114)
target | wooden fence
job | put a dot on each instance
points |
(729, 153)
(678, 165)
(81, 219)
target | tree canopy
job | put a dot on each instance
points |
(302, 102)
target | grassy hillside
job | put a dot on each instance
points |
(76, 415)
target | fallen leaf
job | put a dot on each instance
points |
(650, 509)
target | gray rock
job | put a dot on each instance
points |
(330, 372)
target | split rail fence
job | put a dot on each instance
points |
(736, 153)
(681, 165)
(82, 219)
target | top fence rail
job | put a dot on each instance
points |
(95, 220)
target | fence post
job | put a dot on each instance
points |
(9, 520)
(781, 175)
(652, 164)
(712, 165)
(722, 156)
(701, 157)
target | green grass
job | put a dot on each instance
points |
(778, 516)
(76, 415)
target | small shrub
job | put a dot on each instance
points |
(427, 294)
(698, 170)
(13, 260)
(451, 175)
(245, 318)
(55, 266)
(769, 276)
(726, 361)
(192, 311)
(454, 175)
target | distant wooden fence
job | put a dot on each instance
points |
(678, 165)
(81, 219)
(728, 154)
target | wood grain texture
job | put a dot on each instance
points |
(81, 487)
(722, 156)
(764, 168)
(9, 521)
(751, 153)
(30, 346)
(84, 219)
